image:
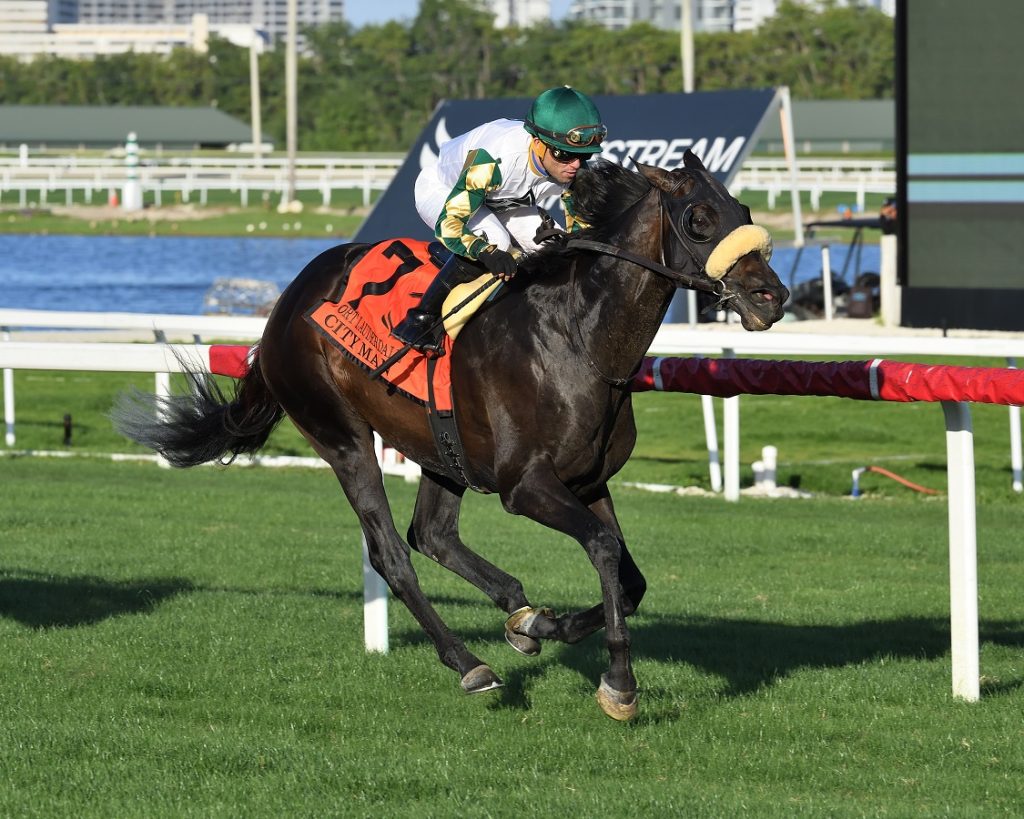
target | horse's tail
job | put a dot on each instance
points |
(203, 424)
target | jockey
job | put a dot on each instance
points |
(481, 196)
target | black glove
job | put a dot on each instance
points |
(499, 262)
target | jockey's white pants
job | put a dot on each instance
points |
(508, 228)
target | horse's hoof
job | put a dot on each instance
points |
(519, 622)
(618, 705)
(481, 679)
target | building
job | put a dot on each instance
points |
(835, 127)
(106, 127)
(58, 28)
(519, 13)
(708, 15)
(83, 29)
(270, 16)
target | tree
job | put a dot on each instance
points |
(373, 88)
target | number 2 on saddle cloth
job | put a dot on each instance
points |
(381, 288)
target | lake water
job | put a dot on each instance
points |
(141, 274)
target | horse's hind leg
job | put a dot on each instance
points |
(434, 532)
(352, 458)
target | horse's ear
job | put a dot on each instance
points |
(692, 161)
(658, 177)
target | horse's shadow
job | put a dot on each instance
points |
(40, 600)
(748, 655)
(43, 601)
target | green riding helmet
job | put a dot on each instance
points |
(567, 119)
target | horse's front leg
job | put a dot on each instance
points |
(541, 624)
(539, 495)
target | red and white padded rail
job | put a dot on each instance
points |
(878, 380)
(231, 359)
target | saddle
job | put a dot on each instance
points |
(380, 289)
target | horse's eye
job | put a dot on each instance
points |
(699, 223)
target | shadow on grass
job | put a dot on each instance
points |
(51, 601)
(748, 655)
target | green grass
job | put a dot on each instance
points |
(190, 644)
(221, 216)
(346, 213)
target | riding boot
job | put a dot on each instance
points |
(421, 326)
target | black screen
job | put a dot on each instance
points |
(960, 136)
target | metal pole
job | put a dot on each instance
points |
(291, 92)
(789, 148)
(254, 96)
(686, 44)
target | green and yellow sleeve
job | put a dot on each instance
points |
(572, 223)
(480, 174)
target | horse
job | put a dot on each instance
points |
(540, 389)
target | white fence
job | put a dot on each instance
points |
(191, 176)
(57, 178)
(816, 177)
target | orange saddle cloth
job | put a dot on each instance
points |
(381, 288)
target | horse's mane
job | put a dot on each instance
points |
(601, 193)
(603, 190)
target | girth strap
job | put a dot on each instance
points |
(446, 437)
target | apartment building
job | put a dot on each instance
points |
(708, 15)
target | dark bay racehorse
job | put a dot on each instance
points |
(541, 396)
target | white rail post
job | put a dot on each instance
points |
(889, 289)
(963, 551)
(375, 606)
(731, 433)
(770, 459)
(375, 590)
(162, 389)
(826, 281)
(707, 404)
(131, 193)
(8, 397)
(1016, 461)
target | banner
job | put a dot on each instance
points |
(655, 129)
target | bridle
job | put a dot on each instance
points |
(693, 281)
(698, 281)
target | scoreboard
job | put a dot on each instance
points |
(960, 163)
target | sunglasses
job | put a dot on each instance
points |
(566, 157)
